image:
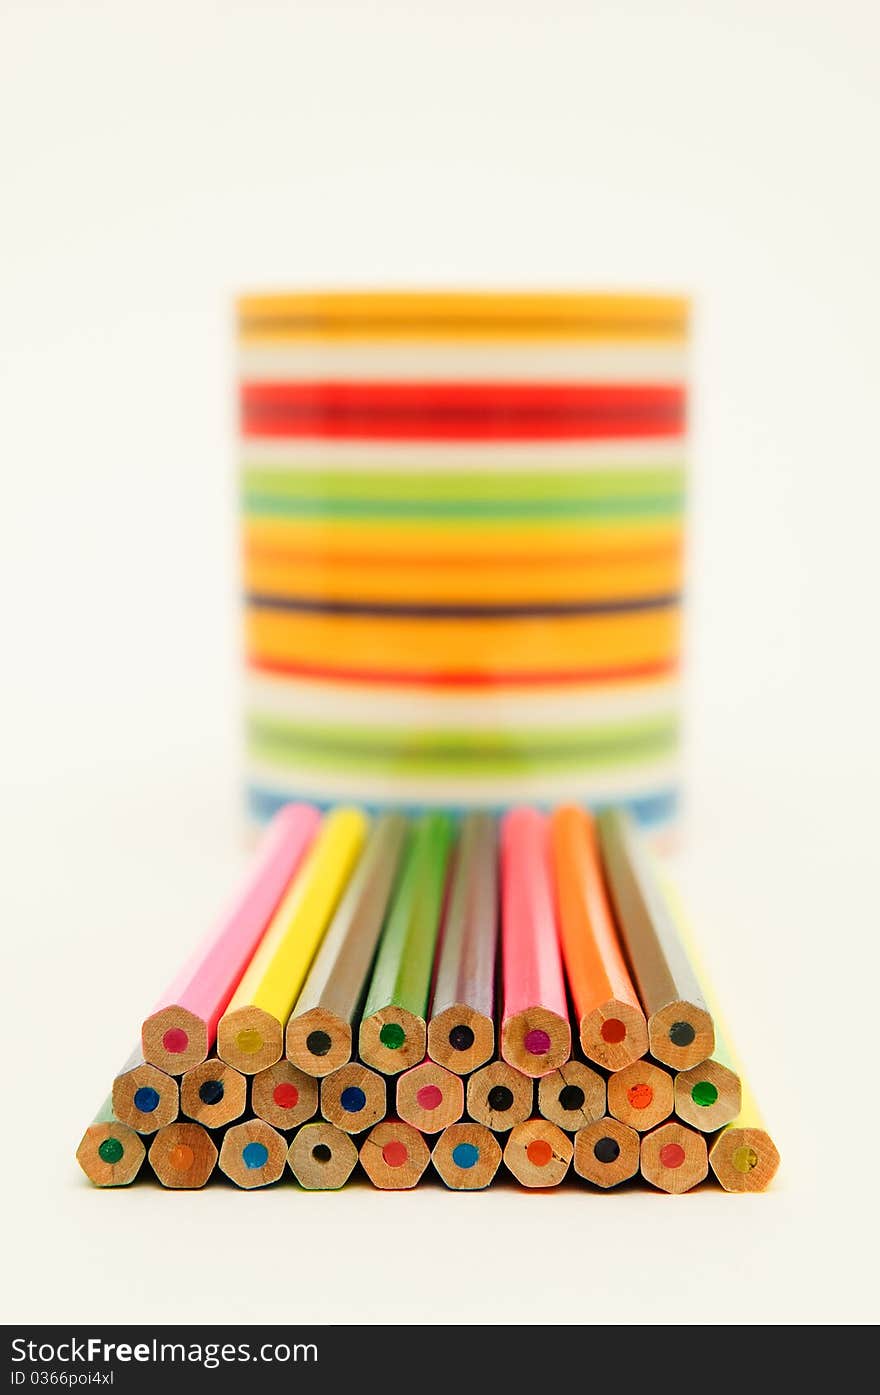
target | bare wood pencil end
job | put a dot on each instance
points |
(145, 1098)
(614, 1035)
(466, 1157)
(110, 1154)
(250, 1039)
(392, 1039)
(183, 1156)
(744, 1160)
(174, 1040)
(321, 1157)
(681, 1035)
(673, 1158)
(538, 1154)
(606, 1153)
(461, 1039)
(318, 1041)
(536, 1041)
(708, 1096)
(253, 1154)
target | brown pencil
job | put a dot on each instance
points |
(538, 1154)
(461, 1030)
(144, 1097)
(353, 1098)
(284, 1096)
(680, 1029)
(110, 1153)
(641, 1095)
(429, 1097)
(253, 1154)
(606, 1153)
(320, 1030)
(500, 1096)
(572, 1096)
(466, 1157)
(394, 1155)
(213, 1093)
(183, 1155)
(321, 1157)
(673, 1158)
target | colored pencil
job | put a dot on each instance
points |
(110, 1153)
(572, 1096)
(680, 1030)
(538, 1154)
(606, 1153)
(213, 1093)
(641, 1095)
(182, 1027)
(673, 1158)
(319, 1033)
(612, 1026)
(709, 1096)
(466, 1157)
(461, 1032)
(393, 1033)
(144, 1097)
(353, 1098)
(394, 1155)
(250, 1034)
(499, 1096)
(253, 1154)
(535, 1031)
(429, 1097)
(183, 1156)
(321, 1157)
(284, 1096)
(743, 1156)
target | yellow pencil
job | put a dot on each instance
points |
(250, 1035)
(743, 1156)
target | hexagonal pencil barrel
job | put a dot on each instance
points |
(680, 1028)
(182, 1027)
(393, 1032)
(320, 1032)
(461, 1032)
(535, 1030)
(250, 1034)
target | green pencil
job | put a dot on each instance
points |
(393, 1032)
(110, 1153)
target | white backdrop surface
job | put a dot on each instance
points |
(158, 158)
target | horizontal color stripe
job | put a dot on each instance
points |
(367, 579)
(529, 545)
(463, 314)
(453, 646)
(496, 457)
(649, 809)
(461, 411)
(471, 512)
(491, 709)
(450, 754)
(460, 792)
(307, 605)
(463, 362)
(428, 677)
(460, 486)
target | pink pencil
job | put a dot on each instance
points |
(535, 1031)
(182, 1027)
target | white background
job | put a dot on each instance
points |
(155, 159)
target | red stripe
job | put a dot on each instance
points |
(426, 678)
(462, 411)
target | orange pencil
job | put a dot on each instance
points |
(612, 1025)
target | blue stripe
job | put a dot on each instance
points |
(649, 810)
(404, 609)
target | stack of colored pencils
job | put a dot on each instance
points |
(398, 993)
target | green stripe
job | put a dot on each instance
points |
(406, 951)
(463, 486)
(464, 753)
(474, 511)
